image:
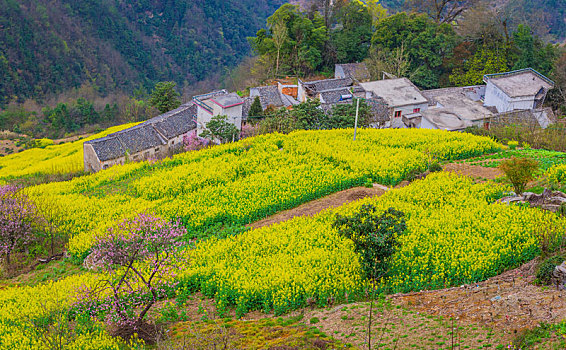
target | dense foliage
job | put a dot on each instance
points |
(51, 46)
(374, 235)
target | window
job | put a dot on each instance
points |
(416, 110)
(173, 142)
(397, 114)
(157, 150)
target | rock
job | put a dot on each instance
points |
(559, 276)
(550, 207)
(507, 200)
(556, 200)
(90, 264)
(559, 194)
(528, 195)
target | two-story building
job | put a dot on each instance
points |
(401, 96)
(523, 89)
(218, 103)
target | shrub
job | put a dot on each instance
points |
(519, 171)
(545, 269)
(512, 144)
(374, 236)
(434, 167)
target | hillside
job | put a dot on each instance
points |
(50, 46)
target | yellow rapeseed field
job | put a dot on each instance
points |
(55, 159)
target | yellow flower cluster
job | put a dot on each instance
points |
(557, 174)
(245, 181)
(64, 158)
(456, 234)
(21, 308)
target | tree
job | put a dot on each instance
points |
(519, 171)
(375, 236)
(309, 115)
(344, 115)
(192, 142)
(532, 52)
(427, 45)
(559, 77)
(375, 9)
(279, 33)
(255, 109)
(301, 51)
(485, 61)
(18, 221)
(219, 128)
(442, 11)
(137, 257)
(351, 43)
(164, 97)
(395, 62)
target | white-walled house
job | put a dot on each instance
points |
(402, 97)
(523, 89)
(218, 103)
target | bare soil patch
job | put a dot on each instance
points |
(473, 171)
(508, 303)
(8, 147)
(316, 206)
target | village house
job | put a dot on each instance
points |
(523, 89)
(452, 109)
(355, 71)
(218, 103)
(155, 138)
(313, 89)
(401, 96)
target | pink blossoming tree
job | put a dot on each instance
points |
(138, 258)
(18, 218)
(192, 142)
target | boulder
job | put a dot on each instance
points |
(559, 276)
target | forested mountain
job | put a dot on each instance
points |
(546, 17)
(49, 46)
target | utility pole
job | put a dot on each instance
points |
(356, 122)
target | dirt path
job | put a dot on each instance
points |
(508, 302)
(332, 201)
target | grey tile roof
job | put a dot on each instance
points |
(246, 106)
(152, 133)
(327, 84)
(356, 71)
(140, 138)
(107, 148)
(335, 96)
(178, 123)
(268, 96)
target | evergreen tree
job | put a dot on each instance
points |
(164, 97)
(255, 108)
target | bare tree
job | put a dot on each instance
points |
(395, 62)
(442, 11)
(279, 34)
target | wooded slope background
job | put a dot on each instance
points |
(49, 46)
